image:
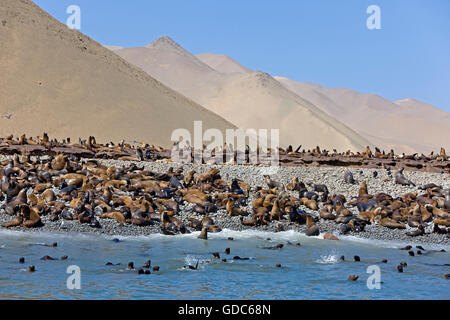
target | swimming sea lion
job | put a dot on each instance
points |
(203, 234)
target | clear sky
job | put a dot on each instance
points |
(321, 41)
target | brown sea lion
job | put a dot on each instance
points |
(203, 234)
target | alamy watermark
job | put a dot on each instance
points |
(374, 20)
(238, 146)
(374, 281)
(74, 20)
(74, 280)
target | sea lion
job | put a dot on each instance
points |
(312, 231)
(363, 189)
(17, 221)
(348, 177)
(399, 178)
(392, 224)
(419, 232)
(330, 236)
(272, 183)
(203, 234)
(353, 278)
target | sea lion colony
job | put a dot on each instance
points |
(140, 151)
(68, 188)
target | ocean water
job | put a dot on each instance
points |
(310, 271)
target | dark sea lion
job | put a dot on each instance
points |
(203, 234)
(240, 258)
(353, 278)
(227, 251)
(192, 267)
(399, 178)
(31, 268)
(357, 258)
(22, 260)
(348, 177)
(419, 232)
(320, 188)
(400, 268)
(272, 183)
(147, 264)
(48, 258)
(312, 231)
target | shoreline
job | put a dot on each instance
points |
(332, 177)
(111, 229)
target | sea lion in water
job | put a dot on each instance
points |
(312, 231)
(353, 278)
(399, 178)
(203, 234)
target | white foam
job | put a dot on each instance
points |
(328, 259)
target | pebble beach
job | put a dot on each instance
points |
(253, 175)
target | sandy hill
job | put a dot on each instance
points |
(60, 81)
(249, 100)
(406, 126)
(222, 63)
(113, 48)
(171, 64)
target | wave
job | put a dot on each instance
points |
(291, 235)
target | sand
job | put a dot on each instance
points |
(406, 126)
(222, 63)
(250, 100)
(59, 81)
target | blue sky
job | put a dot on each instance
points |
(320, 41)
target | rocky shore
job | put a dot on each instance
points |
(333, 178)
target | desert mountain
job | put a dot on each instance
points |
(222, 63)
(59, 81)
(248, 99)
(406, 126)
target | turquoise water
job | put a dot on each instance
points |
(310, 271)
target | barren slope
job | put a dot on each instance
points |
(59, 81)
